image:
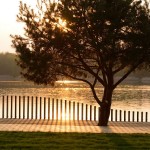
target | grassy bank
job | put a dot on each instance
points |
(71, 141)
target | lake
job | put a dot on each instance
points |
(125, 97)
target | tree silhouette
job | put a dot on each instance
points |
(76, 38)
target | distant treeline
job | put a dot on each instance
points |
(8, 65)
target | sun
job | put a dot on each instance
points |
(62, 23)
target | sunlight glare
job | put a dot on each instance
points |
(64, 81)
(62, 23)
(65, 116)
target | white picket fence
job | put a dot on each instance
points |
(29, 107)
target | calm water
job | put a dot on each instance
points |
(126, 97)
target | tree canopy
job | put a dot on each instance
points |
(76, 38)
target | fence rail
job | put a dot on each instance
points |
(25, 107)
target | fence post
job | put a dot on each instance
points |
(78, 111)
(19, 107)
(11, 104)
(36, 107)
(15, 107)
(32, 107)
(128, 116)
(111, 115)
(61, 109)
(94, 113)
(146, 118)
(40, 107)
(69, 110)
(86, 112)
(7, 108)
(116, 115)
(48, 108)
(90, 112)
(65, 109)
(73, 110)
(120, 115)
(56, 109)
(28, 107)
(137, 116)
(99, 110)
(133, 116)
(82, 111)
(44, 108)
(52, 109)
(124, 116)
(3, 107)
(23, 107)
(141, 116)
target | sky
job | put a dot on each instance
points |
(8, 24)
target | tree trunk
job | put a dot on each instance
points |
(105, 107)
(104, 112)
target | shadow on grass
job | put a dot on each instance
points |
(119, 141)
(73, 141)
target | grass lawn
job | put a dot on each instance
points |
(73, 141)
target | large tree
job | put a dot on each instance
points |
(76, 38)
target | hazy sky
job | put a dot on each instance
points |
(8, 24)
